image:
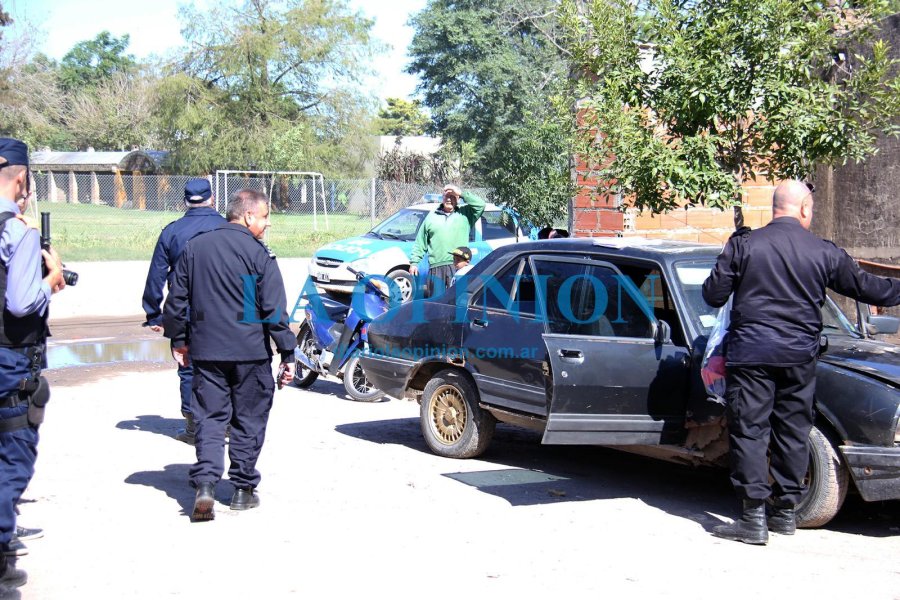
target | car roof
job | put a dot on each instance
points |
(434, 206)
(665, 251)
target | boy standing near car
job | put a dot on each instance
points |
(778, 275)
(199, 216)
(444, 229)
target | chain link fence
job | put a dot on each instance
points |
(112, 216)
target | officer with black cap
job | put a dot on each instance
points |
(24, 300)
(199, 217)
(231, 285)
(778, 275)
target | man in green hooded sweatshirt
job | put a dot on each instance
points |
(445, 229)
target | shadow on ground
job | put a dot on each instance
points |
(535, 474)
(172, 480)
(153, 424)
(336, 388)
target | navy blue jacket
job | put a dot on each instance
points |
(778, 275)
(168, 250)
(233, 287)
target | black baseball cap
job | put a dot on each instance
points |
(463, 252)
(197, 190)
(13, 152)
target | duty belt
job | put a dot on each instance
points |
(12, 401)
(14, 423)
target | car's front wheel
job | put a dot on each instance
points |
(405, 283)
(453, 424)
(827, 481)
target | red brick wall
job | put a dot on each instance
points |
(600, 215)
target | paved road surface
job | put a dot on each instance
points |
(353, 505)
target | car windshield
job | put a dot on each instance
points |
(402, 225)
(691, 276)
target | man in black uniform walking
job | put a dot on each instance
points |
(200, 216)
(778, 275)
(230, 284)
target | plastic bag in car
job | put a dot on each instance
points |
(712, 369)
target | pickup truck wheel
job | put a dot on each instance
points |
(827, 481)
(358, 387)
(453, 424)
(405, 283)
(305, 377)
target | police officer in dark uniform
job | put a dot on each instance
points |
(778, 275)
(231, 284)
(199, 217)
(24, 301)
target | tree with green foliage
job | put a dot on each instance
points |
(269, 85)
(493, 73)
(91, 62)
(693, 98)
(402, 117)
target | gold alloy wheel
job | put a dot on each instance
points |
(448, 414)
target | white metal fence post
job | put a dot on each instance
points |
(372, 204)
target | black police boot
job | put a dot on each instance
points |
(750, 528)
(10, 577)
(188, 434)
(783, 518)
(244, 498)
(204, 503)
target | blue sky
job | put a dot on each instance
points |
(154, 28)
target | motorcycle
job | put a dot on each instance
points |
(332, 337)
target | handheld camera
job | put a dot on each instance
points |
(70, 277)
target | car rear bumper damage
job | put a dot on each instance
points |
(388, 374)
(875, 470)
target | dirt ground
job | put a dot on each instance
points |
(353, 505)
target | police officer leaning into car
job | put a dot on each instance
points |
(778, 275)
(199, 217)
(24, 300)
(231, 284)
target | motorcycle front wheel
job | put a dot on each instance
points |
(356, 384)
(305, 377)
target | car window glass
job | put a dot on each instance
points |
(497, 289)
(512, 290)
(655, 291)
(591, 299)
(691, 276)
(497, 224)
(402, 226)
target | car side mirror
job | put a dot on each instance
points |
(661, 332)
(882, 324)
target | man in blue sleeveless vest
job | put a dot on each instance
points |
(199, 217)
(24, 300)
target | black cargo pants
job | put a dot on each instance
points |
(770, 404)
(236, 393)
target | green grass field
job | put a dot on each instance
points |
(84, 232)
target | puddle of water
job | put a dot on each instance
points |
(73, 355)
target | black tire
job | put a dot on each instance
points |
(358, 387)
(453, 424)
(305, 377)
(827, 481)
(405, 282)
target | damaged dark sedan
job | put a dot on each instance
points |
(600, 342)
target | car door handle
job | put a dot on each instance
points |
(479, 323)
(576, 356)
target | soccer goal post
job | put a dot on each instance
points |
(292, 191)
